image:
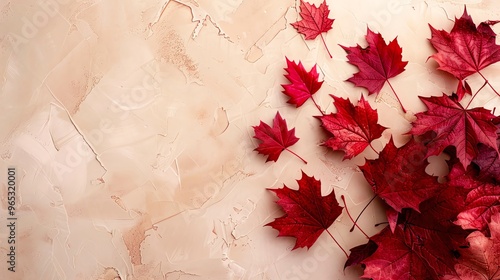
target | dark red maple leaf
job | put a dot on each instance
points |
(488, 161)
(303, 84)
(421, 247)
(307, 213)
(398, 176)
(360, 253)
(401, 255)
(455, 126)
(466, 49)
(394, 259)
(377, 63)
(352, 128)
(314, 21)
(482, 259)
(275, 139)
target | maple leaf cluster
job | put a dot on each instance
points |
(437, 229)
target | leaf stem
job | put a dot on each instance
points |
(347, 255)
(397, 97)
(296, 155)
(488, 83)
(350, 217)
(366, 206)
(475, 94)
(324, 43)
(371, 146)
(382, 223)
(317, 106)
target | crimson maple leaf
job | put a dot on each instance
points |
(303, 84)
(314, 21)
(377, 63)
(482, 259)
(481, 202)
(467, 49)
(455, 126)
(394, 259)
(275, 139)
(445, 205)
(307, 213)
(422, 246)
(352, 128)
(398, 176)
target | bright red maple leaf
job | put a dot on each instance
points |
(377, 63)
(303, 84)
(314, 21)
(275, 139)
(352, 128)
(467, 49)
(482, 259)
(307, 213)
(398, 176)
(455, 126)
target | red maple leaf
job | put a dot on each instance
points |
(403, 255)
(467, 49)
(303, 84)
(463, 89)
(314, 21)
(488, 161)
(398, 176)
(481, 203)
(474, 201)
(482, 259)
(307, 213)
(275, 139)
(377, 63)
(394, 259)
(352, 128)
(360, 253)
(423, 246)
(455, 126)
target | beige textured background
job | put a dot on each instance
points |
(129, 123)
